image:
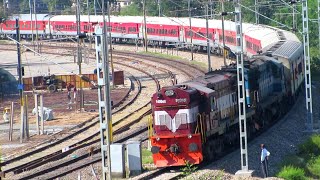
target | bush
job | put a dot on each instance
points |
(311, 147)
(292, 173)
(314, 167)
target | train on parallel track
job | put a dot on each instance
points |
(162, 31)
(196, 120)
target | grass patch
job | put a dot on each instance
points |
(305, 164)
(146, 157)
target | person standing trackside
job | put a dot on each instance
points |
(264, 160)
(74, 94)
(69, 96)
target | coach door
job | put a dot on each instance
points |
(181, 34)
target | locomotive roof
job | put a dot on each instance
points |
(290, 50)
(200, 87)
(261, 59)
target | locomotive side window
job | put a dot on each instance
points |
(212, 103)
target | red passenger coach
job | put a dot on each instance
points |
(175, 140)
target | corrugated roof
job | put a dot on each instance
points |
(290, 50)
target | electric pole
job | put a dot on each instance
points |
(318, 32)
(94, 7)
(241, 92)
(4, 8)
(88, 9)
(36, 20)
(30, 6)
(190, 29)
(294, 25)
(159, 6)
(79, 53)
(256, 9)
(208, 40)
(305, 33)
(145, 40)
(20, 85)
(223, 38)
(105, 115)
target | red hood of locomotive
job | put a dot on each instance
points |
(171, 104)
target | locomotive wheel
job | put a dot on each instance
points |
(208, 151)
(52, 88)
(217, 146)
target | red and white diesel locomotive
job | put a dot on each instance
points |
(196, 120)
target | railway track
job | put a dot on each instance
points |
(120, 126)
(19, 163)
(85, 142)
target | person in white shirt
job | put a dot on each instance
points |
(264, 160)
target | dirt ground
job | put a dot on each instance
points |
(63, 117)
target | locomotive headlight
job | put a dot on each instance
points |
(190, 136)
(193, 147)
(158, 138)
(155, 149)
(169, 92)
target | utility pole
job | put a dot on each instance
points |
(79, 53)
(208, 40)
(110, 37)
(145, 40)
(20, 85)
(105, 116)
(159, 6)
(241, 92)
(305, 33)
(190, 29)
(223, 38)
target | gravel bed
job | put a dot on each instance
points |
(281, 140)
